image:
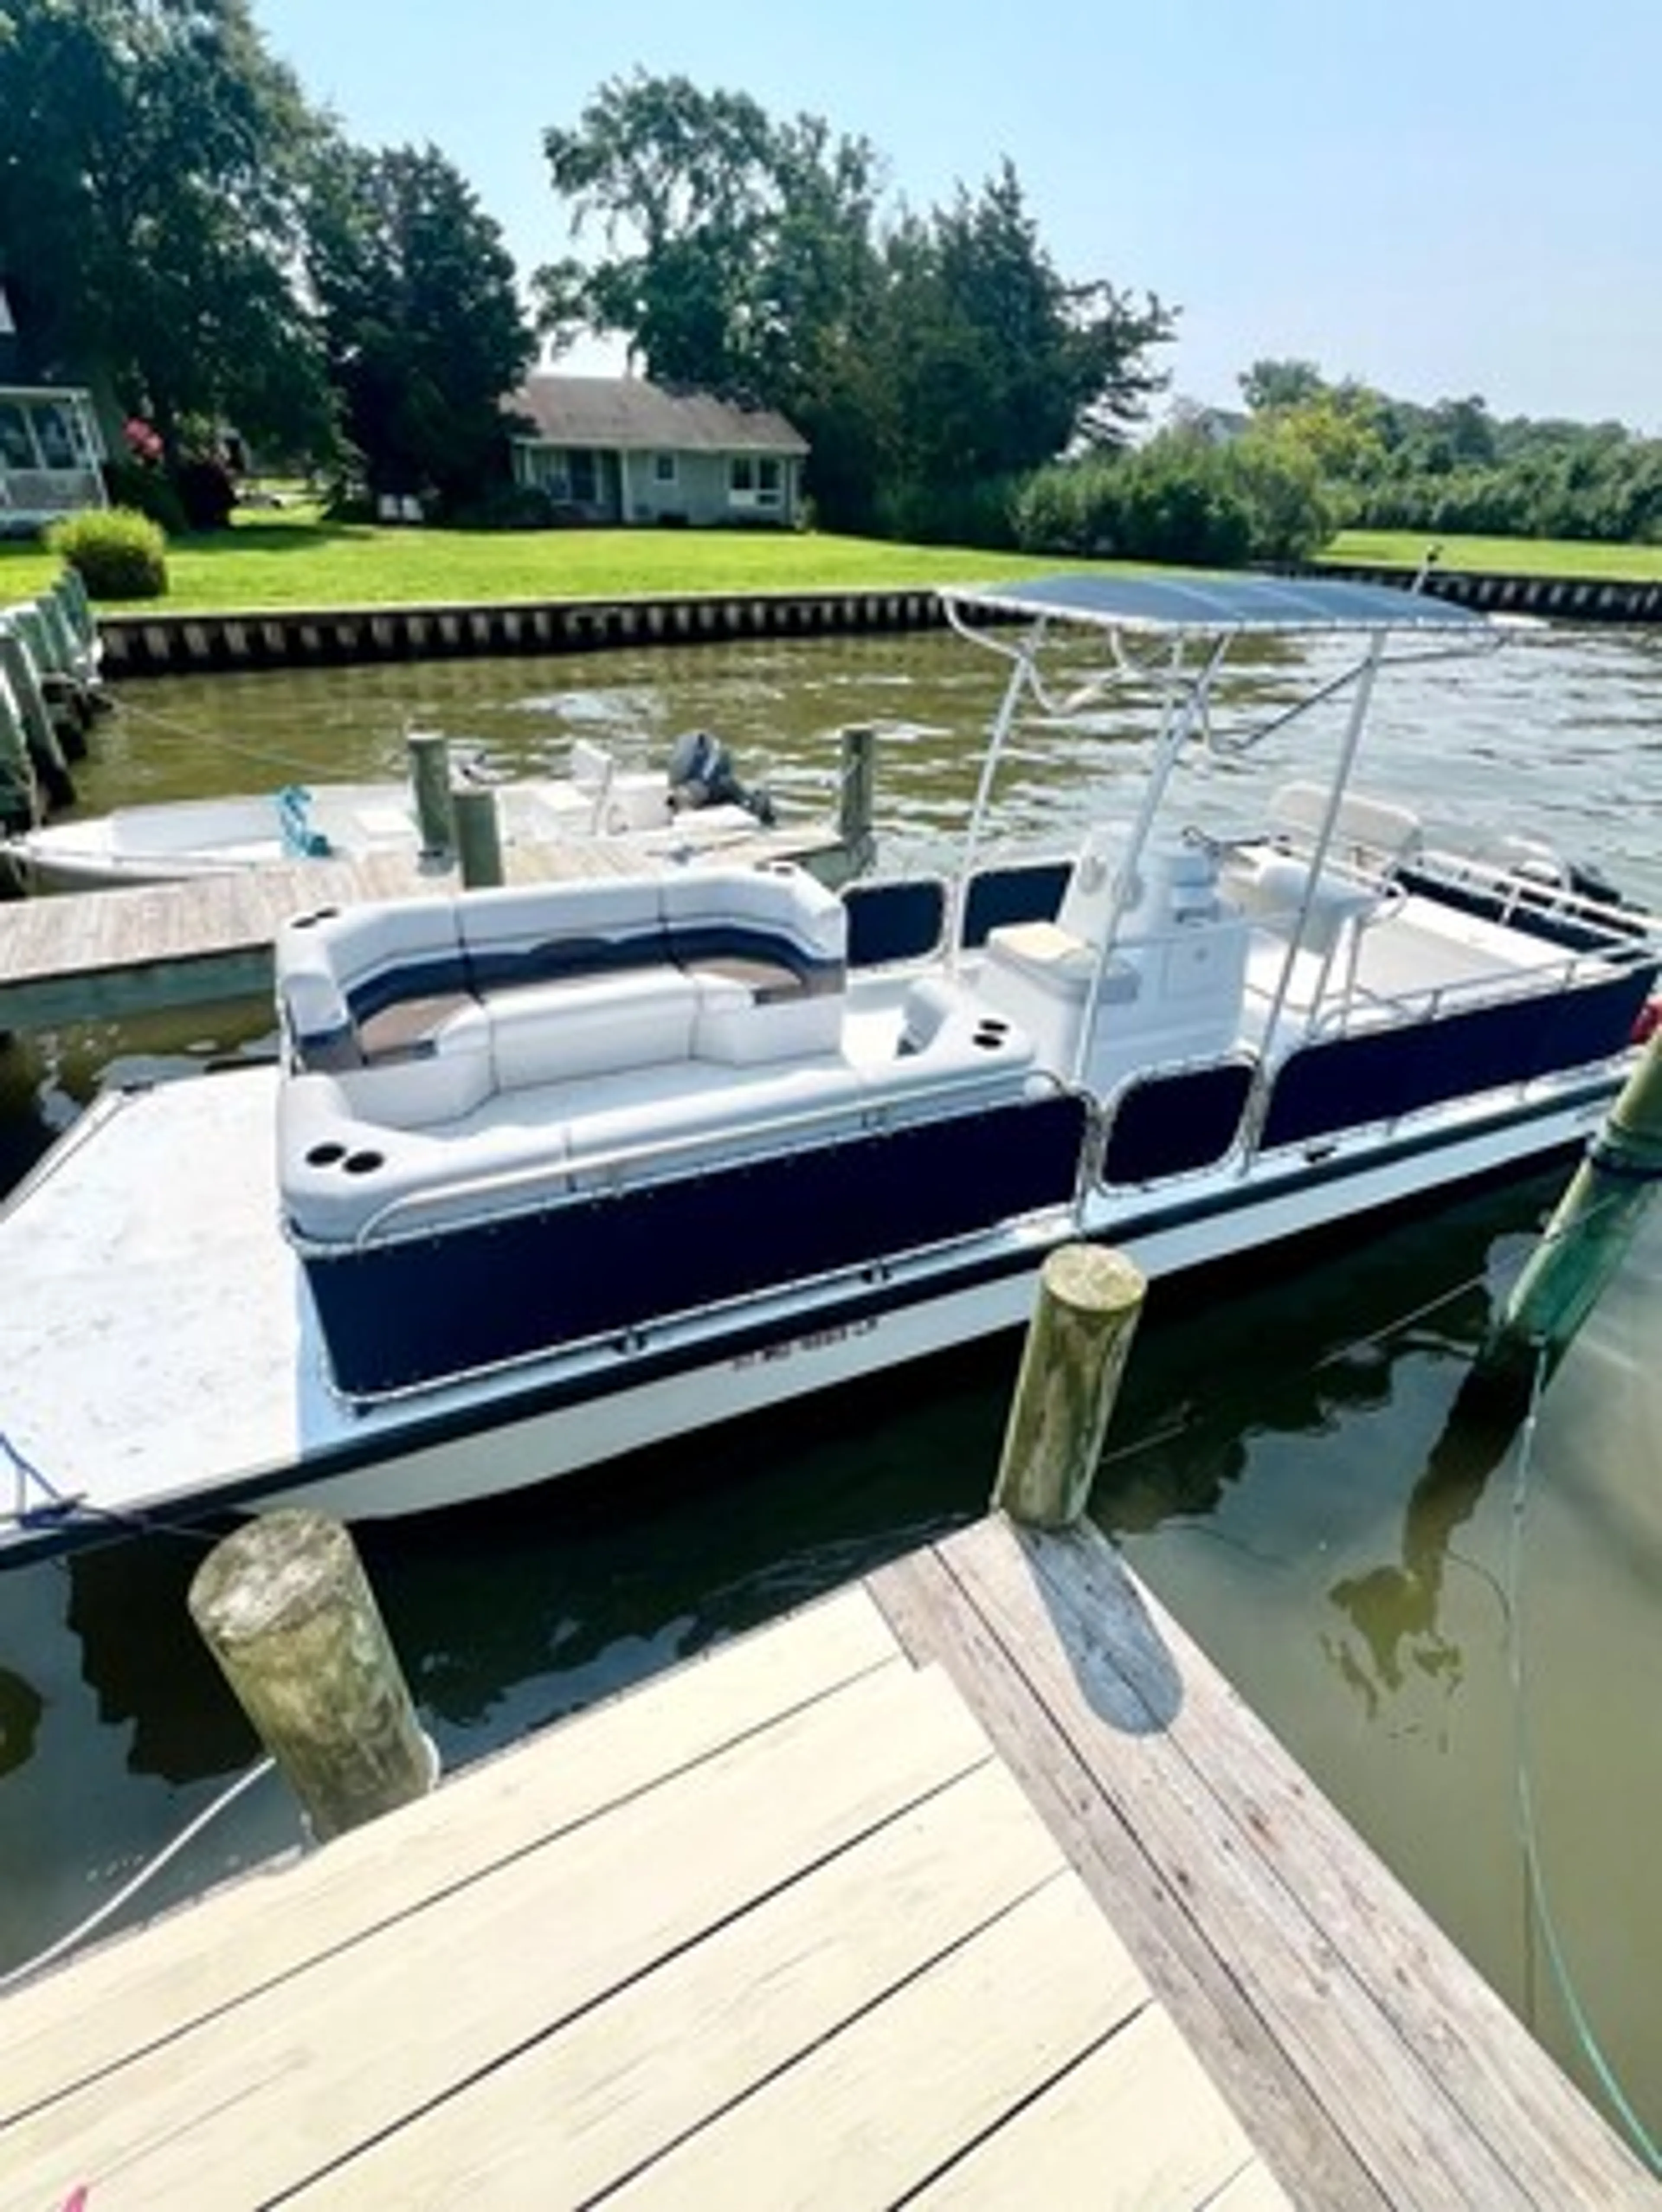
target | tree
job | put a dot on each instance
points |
(994, 364)
(744, 256)
(731, 240)
(422, 330)
(1281, 384)
(149, 198)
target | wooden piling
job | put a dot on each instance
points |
(287, 1611)
(478, 836)
(428, 755)
(1078, 1339)
(857, 795)
(1590, 1230)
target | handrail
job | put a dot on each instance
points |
(1465, 994)
(867, 1115)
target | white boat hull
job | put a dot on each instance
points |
(230, 1403)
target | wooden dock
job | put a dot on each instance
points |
(100, 954)
(972, 1885)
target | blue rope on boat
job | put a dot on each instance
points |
(58, 1504)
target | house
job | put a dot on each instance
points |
(615, 449)
(50, 446)
(49, 452)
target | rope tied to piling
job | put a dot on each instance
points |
(1529, 1835)
(55, 1505)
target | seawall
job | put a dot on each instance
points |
(179, 644)
(1562, 598)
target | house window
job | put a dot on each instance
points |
(664, 470)
(16, 446)
(741, 476)
(767, 482)
(51, 427)
(585, 480)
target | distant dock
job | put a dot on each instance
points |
(100, 955)
(971, 1885)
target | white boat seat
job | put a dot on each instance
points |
(1365, 830)
(1276, 886)
(775, 936)
(1057, 961)
(352, 1144)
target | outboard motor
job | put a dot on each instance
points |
(701, 775)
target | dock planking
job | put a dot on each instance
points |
(972, 1885)
(99, 955)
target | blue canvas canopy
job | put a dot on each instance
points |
(1213, 604)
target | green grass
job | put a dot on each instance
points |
(1517, 556)
(296, 560)
(293, 558)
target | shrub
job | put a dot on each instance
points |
(508, 506)
(206, 490)
(119, 553)
(976, 512)
(146, 490)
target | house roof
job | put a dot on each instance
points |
(625, 413)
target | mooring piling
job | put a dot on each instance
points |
(857, 794)
(286, 1609)
(1590, 1229)
(428, 755)
(1078, 1339)
(479, 835)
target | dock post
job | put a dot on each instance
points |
(857, 794)
(478, 836)
(287, 1610)
(1089, 1299)
(1590, 1229)
(429, 754)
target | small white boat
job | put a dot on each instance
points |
(171, 840)
(547, 1175)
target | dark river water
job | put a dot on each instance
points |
(1458, 1635)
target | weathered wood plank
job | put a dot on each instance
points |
(1042, 1985)
(1217, 2009)
(574, 2114)
(134, 1993)
(1505, 2085)
(1215, 1802)
(1136, 2123)
(336, 2055)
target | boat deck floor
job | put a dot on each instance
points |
(971, 1885)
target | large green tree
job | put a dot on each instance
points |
(733, 245)
(150, 172)
(746, 256)
(423, 328)
(996, 364)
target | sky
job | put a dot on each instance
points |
(1444, 198)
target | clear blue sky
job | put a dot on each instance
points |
(1439, 197)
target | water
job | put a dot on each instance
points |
(1291, 1466)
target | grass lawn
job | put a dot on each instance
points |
(1516, 557)
(294, 559)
